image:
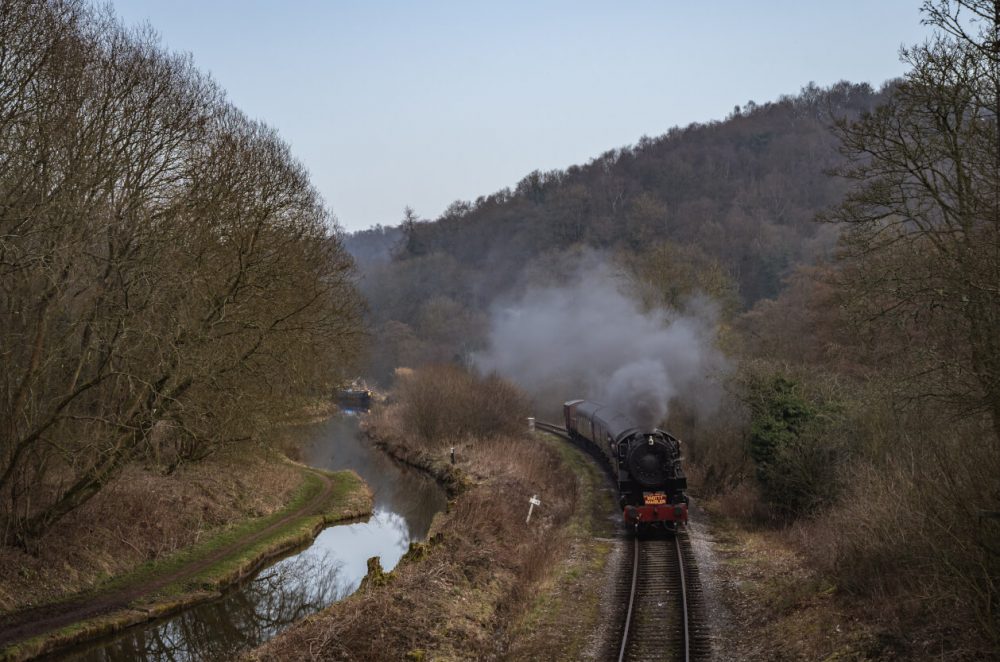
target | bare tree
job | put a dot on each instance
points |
(170, 280)
(924, 218)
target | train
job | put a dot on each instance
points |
(645, 463)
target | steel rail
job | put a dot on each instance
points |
(684, 599)
(551, 427)
(631, 601)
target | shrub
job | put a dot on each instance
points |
(795, 445)
(444, 403)
(917, 525)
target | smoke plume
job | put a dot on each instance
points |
(587, 339)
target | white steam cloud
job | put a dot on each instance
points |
(588, 340)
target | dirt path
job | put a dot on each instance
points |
(29, 623)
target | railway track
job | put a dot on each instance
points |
(551, 427)
(660, 621)
(660, 598)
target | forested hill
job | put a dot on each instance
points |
(741, 194)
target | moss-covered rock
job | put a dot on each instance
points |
(376, 576)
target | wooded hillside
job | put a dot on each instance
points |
(740, 196)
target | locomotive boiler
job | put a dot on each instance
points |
(646, 463)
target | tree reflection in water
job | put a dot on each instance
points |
(282, 594)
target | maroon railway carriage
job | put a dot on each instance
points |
(646, 463)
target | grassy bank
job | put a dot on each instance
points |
(784, 608)
(449, 597)
(173, 582)
(564, 620)
(323, 498)
(144, 516)
(488, 584)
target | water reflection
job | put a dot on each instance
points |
(412, 496)
(280, 595)
(306, 582)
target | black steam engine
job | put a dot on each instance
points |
(646, 463)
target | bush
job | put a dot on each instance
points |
(795, 445)
(444, 403)
(915, 524)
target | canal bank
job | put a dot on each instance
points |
(458, 596)
(188, 577)
(322, 572)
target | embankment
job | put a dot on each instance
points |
(216, 556)
(486, 583)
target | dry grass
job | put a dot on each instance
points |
(917, 543)
(909, 546)
(484, 565)
(568, 611)
(782, 608)
(142, 516)
(480, 572)
(742, 503)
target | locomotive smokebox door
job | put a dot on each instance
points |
(647, 464)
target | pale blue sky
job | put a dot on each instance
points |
(393, 103)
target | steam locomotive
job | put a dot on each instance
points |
(645, 463)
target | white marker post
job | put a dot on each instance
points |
(532, 502)
(531, 424)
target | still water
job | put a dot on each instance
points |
(303, 583)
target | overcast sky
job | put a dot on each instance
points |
(422, 103)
